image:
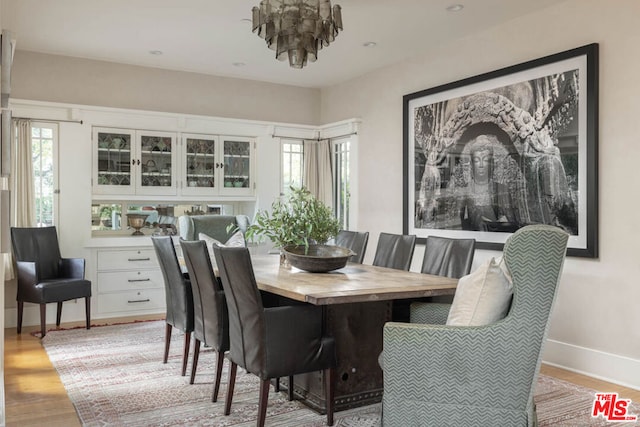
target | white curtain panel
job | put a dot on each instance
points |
(23, 201)
(318, 178)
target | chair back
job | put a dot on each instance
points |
(394, 251)
(448, 257)
(354, 240)
(210, 317)
(179, 296)
(39, 245)
(534, 256)
(246, 312)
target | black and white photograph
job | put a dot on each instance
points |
(488, 155)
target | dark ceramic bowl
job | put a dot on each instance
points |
(318, 258)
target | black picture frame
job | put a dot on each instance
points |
(489, 154)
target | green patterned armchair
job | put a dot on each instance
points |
(437, 375)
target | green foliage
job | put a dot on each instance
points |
(300, 219)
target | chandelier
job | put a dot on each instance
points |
(297, 29)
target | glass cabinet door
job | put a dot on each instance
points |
(157, 154)
(237, 172)
(113, 153)
(200, 163)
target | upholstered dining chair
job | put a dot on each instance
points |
(271, 342)
(210, 316)
(394, 251)
(447, 257)
(178, 294)
(44, 276)
(478, 375)
(354, 240)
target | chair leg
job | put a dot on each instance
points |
(59, 314)
(216, 385)
(230, 385)
(185, 352)
(20, 309)
(262, 405)
(194, 363)
(43, 320)
(87, 310)
(330, 383)
(276, 386)
(290, 388)
(167, 341)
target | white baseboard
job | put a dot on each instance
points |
(72, 311)
(608, 367)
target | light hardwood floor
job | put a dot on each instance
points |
(35, 396)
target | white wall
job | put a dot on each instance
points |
(594, 326)
(81, 81)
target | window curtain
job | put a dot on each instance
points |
(23, 201)
(318, 178)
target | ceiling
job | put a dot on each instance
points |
(210, 36)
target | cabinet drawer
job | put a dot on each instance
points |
(145, 299)
(116, 281)
(127, 259)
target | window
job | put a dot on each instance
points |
(292, 164)
(44, 154)
(342, 195)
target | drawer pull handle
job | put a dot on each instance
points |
(138, 280)
(139, 259)
(138, 300)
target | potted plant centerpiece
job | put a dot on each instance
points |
(298, 223)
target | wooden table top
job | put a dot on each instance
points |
(353, 283)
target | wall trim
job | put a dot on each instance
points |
(608, 367)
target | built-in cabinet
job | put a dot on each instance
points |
(150, 163)
(130, 162)
(217, 164)
(128, 281)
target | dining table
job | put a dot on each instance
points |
(357, 302)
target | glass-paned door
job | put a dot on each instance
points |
(157, 155)
(237, 171)
(44, 152)
(200, 164)
(114, 160)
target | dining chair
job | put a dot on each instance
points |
(44, 276)
(210, 316)
(271, 342)
(178, 294)
(394, 251)
(447, 257)
(478, 375)
(354, 240)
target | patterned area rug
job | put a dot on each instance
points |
(114, 376)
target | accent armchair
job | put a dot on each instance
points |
(478, 375)
(44, 276)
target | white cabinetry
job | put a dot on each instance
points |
(129, 282)
(128, 162)
(149, 163)
(221, 165)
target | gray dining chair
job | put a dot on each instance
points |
(354, 240)
(179, 297)
(394, 251)
(210, 316)
(447, 257)
(271, 342)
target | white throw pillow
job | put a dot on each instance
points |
(482, 297)
(235, 241)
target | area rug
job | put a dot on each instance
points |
(114, 376)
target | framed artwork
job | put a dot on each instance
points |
(489, 154)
